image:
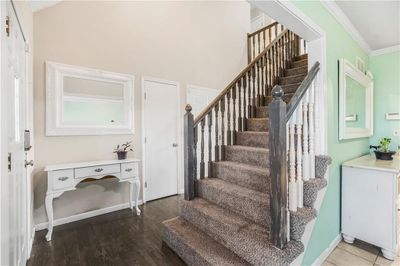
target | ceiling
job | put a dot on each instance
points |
(41, 4)
(378, 22)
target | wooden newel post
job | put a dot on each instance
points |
(189, 153)
(278, 170)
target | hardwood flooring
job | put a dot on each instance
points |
(118, 238)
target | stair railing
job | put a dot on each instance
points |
(291, 143)
(227, 114)
(258, 40)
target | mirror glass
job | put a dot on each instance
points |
(356, 100)
(92, 102)
(355, 103)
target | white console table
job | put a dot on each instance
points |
(65, 177)
(370, 202)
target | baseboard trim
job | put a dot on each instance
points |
(325, 254)
(84, 215)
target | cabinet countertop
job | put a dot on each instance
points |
(370, 162)
(86, 164)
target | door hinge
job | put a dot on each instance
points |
(145, 184)
(7, 26)
(9, 162)
(145, 140)
(145, 96)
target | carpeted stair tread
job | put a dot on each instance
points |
(239, 234)
(299, 220)
(299, 63)
(195, 247)
(247, 155)
(287, 80)
(296, 70)
(257, 124)
(247, 202)
(252, 139)
(290, 88)
(311, 188)
(262, 112)
(301, 57)
(247, 176)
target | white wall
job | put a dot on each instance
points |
(201, 43)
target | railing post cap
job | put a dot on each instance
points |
(188, 108)
(277, 92)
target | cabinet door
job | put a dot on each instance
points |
(368, 206)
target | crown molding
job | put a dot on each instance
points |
(343, 20)
(386, 50)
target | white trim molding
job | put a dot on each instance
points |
(325, 254)
(343, 20)
(85, 215)
(386, 50)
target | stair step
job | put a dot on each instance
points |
(262, 112)
(245, 238)
(311, 188)
(195, 247)
(257, 124)
(291, 88)
(252, 139)
(249, 203)
(288, 80)
(296, 71)
(299, 220)
(299, 63)
(301, 57)
(247, 155)
(243, 175)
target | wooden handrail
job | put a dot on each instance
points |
(262, 29)
(305, 84)
(238, 77)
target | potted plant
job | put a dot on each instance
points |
(382, 151)
(122, 150)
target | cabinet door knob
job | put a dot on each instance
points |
(98, 170)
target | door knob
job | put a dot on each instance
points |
(30, 163)
(174, 145)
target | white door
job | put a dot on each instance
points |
(199, 97)
(161, 138)
(14, 205)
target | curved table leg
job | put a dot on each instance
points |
(135, 183)
(389, 254)
(49, 211)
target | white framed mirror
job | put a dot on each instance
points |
(355, 102)
(84, 101)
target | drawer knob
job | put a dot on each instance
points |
(98, 170)
(63, 178)
(128, 170)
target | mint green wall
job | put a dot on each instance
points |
(339, 45)
(386, 71)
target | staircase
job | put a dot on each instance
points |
(238, 214)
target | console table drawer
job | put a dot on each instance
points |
(129, 170)
(97, 170)
(62, 179)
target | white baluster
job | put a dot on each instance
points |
(292, 167)
(299, 156)
(306, 157)
(311, 130)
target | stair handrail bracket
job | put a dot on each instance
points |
(289, 149)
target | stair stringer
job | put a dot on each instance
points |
(305, 239)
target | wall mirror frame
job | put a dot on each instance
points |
(355, 102)
(85, 101)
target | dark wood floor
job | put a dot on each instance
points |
(118, 238)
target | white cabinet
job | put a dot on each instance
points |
(370, 197)
(65, 177)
